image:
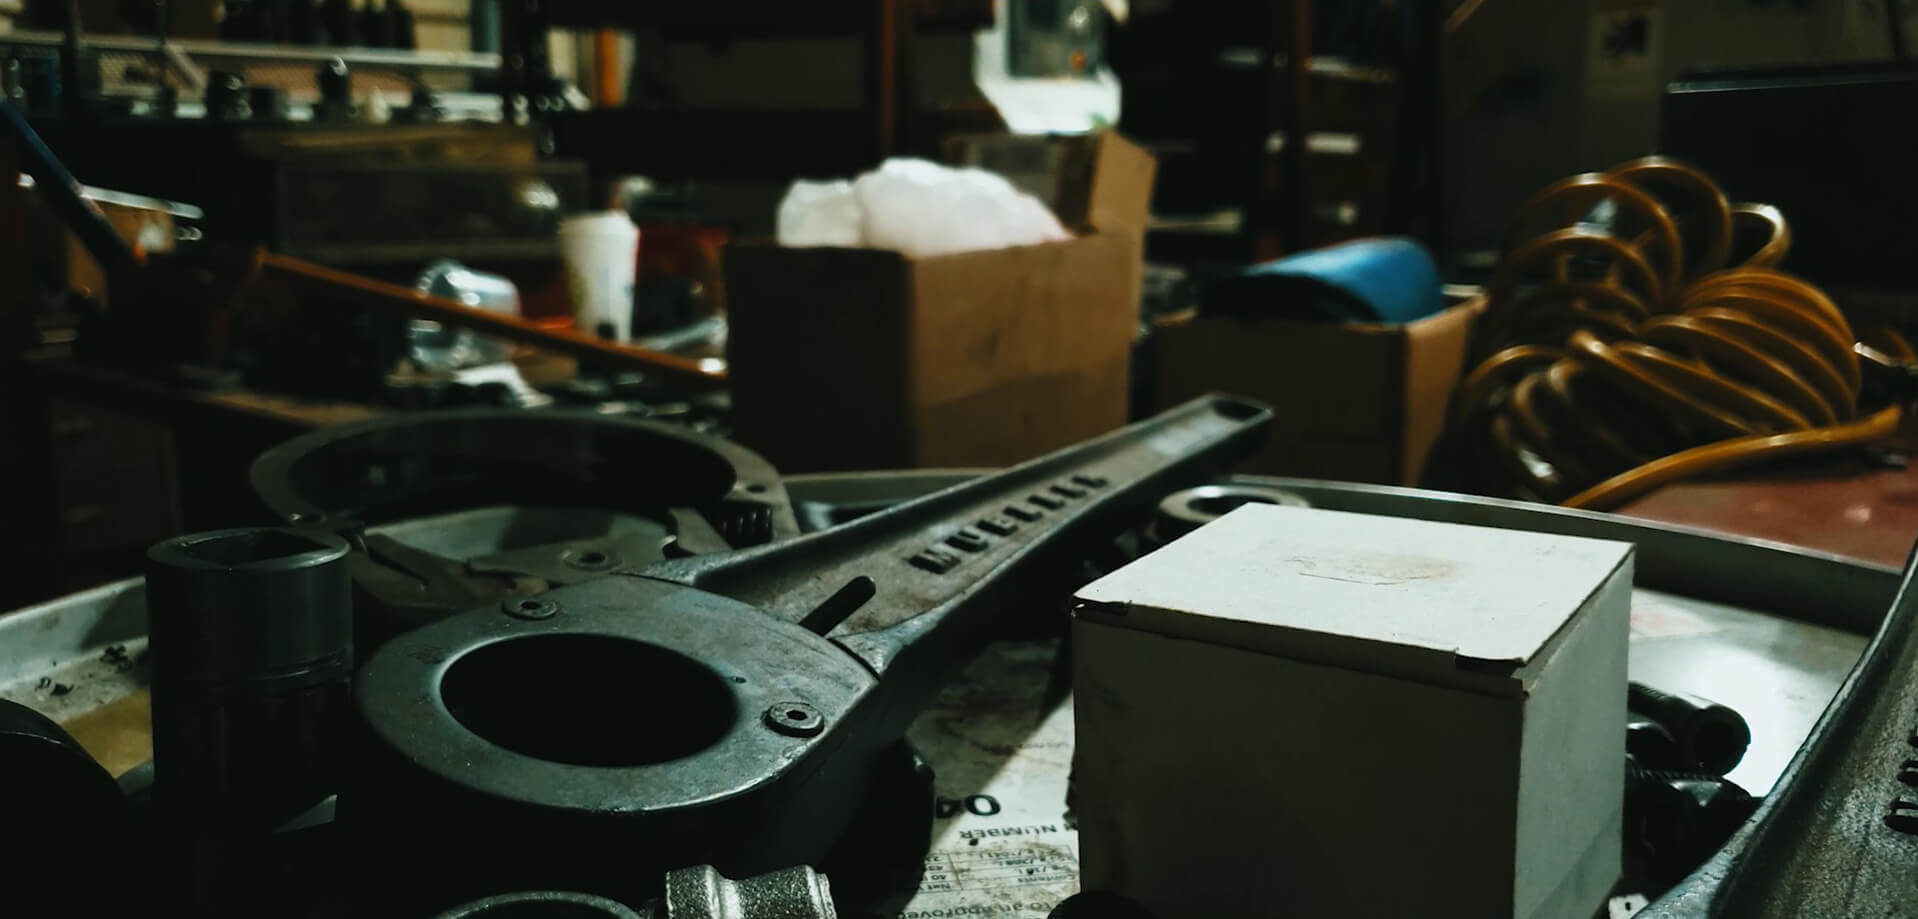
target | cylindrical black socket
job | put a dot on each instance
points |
(251, 640)
(1711, 737)
(251, 605)
(251, 635)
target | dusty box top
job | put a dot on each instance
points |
(1381, 593)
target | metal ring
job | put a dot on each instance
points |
(541, 902)
(1184, 511)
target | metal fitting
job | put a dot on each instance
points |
(529, 608)
(1678, 819)
(1711, 737)
(794, 719)
(1184, 511)
(701, 892)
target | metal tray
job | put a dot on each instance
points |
(1766, 628)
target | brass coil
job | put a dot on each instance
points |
(1624, 352)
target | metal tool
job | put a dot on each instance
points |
(1184, 511)
(1794, 859)
(407, 303)
(252, 641)
(1676, 820)
(1710, 737)
(459, 509)
(726, 708)
(66, 196)
(703, 893)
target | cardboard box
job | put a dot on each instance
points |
(1359, 402)
(868, 359)
(1295, 712)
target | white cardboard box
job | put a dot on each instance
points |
(1303, 713)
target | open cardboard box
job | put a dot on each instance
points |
(868, 359)
(1353, 401)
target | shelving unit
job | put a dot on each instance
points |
(705, 144)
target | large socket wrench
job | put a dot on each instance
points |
(725, 709)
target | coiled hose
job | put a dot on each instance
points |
(1620, 353)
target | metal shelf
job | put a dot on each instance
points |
(766, 18)
(370, 58)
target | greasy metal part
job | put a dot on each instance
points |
(1711, 738)
(543, 904)
(1184, 511)
(701, 892)
(462, 508)
(55, 800)
(252, 644)
(409, 303)
(848, 496)
(692, 651)
(1675, 820)
(251, 635)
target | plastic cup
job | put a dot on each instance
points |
(601, 252)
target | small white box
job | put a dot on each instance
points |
(1303, 713)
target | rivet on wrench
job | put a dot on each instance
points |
(795, 719)
(533, 608)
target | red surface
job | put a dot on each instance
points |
(1845, 506)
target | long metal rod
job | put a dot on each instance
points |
(408, 302)
(65, 195)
